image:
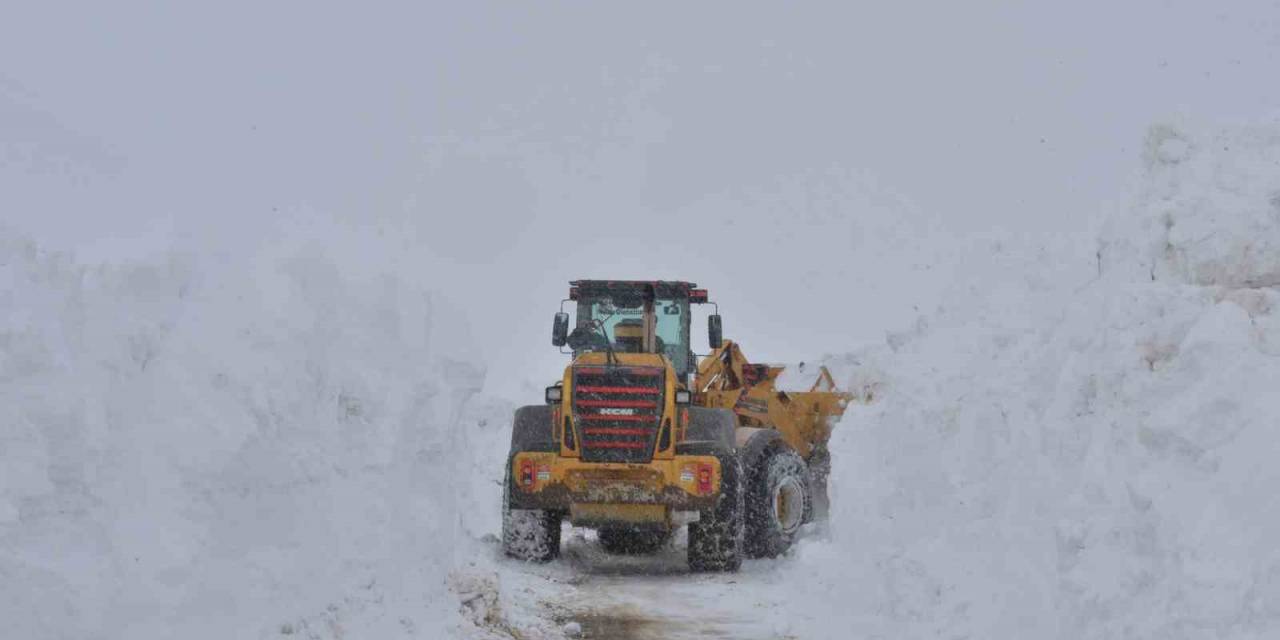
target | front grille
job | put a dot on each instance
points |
(617, 410)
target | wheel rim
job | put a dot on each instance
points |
(788, 504)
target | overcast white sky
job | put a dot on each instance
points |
(531, 144)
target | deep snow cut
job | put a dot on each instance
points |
(229, 444)
(1075, 438)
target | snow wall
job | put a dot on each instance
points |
(234, 443)
(1081, 440)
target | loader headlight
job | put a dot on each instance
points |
(554, 394)
(683, 396)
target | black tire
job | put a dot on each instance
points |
(633, 540)
(777, 501)
(531, 429)
(708, 430)
(819, 506)
(715, 540)
(532, 535)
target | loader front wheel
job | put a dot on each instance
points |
(532, 535)
(777, 503)
(715, 540)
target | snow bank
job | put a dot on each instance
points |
(233, 443)
(1086, 453)
(1209, 211)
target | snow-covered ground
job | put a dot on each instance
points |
(1074, 439)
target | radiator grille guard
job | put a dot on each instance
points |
(617, 410)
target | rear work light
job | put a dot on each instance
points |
(526, 473)
(704, 478)
(554, 394)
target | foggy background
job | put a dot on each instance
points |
(518, 147)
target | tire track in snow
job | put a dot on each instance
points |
(653, 597)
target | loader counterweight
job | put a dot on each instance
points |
(682, 483)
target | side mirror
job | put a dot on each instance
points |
(715, 334)
(560, 329)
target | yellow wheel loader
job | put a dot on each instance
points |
(638, 439)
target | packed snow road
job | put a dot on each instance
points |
(591, 594)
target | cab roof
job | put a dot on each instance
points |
(659, 288)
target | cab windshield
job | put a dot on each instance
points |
(625, 325)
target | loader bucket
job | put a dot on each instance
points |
(726, 379)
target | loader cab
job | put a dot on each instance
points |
(633, 317)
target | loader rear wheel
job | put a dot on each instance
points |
(777, 503)
(715, 540)
(632, 540)
(532, 535)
